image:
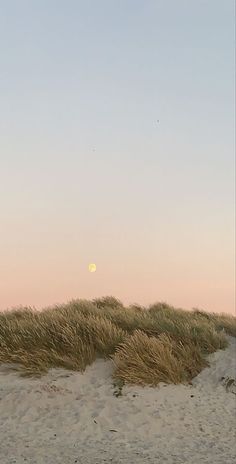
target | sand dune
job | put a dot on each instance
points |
(67, 417)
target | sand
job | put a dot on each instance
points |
(67, 417)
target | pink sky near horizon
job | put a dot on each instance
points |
(174, 271)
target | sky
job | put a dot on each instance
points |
(117, 148)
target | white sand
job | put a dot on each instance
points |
(66, 417)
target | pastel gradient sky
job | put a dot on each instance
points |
(89, 175)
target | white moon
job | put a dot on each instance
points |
(92, 267)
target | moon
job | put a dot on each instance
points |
(92, 267)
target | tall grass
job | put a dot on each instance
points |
(149, 360)
(147, 346)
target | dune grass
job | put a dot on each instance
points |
(146, 345)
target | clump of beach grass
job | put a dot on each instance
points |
(146, 360)
(146, 345)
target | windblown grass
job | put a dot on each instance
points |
(149, 360)
(147, 346)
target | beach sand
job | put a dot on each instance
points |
(66, 417)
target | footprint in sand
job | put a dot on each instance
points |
(230, 384)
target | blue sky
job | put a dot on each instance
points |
(117, 147)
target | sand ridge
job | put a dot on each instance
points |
(69, 417)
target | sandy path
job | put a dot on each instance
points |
(66, 418)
